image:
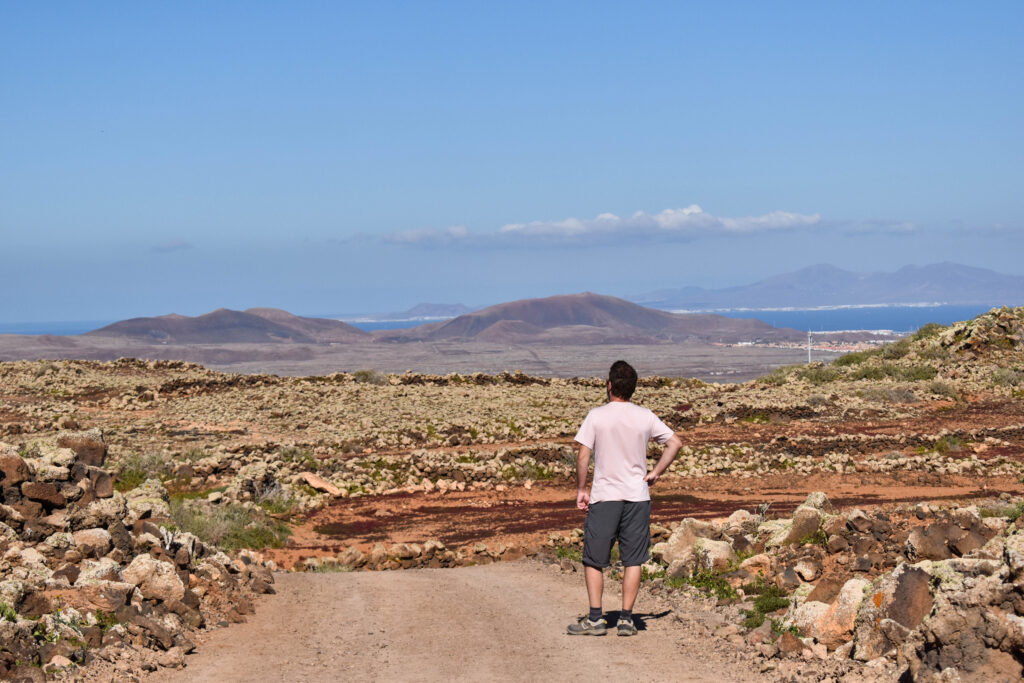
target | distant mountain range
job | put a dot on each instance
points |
(588, 319)
(571, 319)
(825, 285)
(224, 326)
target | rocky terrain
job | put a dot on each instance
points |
(905, 558)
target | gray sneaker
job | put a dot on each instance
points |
(626, 627)
(585, 627)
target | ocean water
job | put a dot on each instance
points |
(897, 318)
(58, 327)
(387, 324)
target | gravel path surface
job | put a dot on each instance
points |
(500, 622)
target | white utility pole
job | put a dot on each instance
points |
(808, 347)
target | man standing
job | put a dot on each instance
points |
(619, 503)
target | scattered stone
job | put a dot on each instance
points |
(320, 484)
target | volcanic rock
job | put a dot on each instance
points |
(88, 446)
(155, 579)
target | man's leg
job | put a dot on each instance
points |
(634, 542)
(598, 535)
(595, 586)
(630, 587)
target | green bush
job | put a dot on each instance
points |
(947, 444)
(896, 350)
(855, 357)
(778, 376)
(869, 372)
(574, 554)
(770, 598)
(1011, 512)
(277, 500)
(1006, 377)
(908, 373)
(889, 395)
(708, 582)
(134, 469)
(819, 374)
(941, 388)
(369, 377)
(927, 331)
(7, 612)
(916, 373)
(229, 526)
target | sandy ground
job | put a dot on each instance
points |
(703, 361)
(500, 622)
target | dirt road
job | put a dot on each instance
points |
(501, 622)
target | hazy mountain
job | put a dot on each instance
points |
(588, 319)
(224, 326)
(825, 285)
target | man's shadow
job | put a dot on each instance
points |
(640, 619)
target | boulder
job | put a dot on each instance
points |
(789, 644)
(87, 445)
(828, 587)
(154, 579)
(46, 493)
(1013, 555)
(807, 614)
(94, 571)
(713, 555)
(13, 469)
(807, 568)
(928, 544)
(837, 544)
(679, 545)
(102, 482)
(835, 626)
(805, 523)
(911, 598)
(93, 542)
(320, 484)
(352, 557)
(818, 500)
(858, 521)
(105, 595)
(903, 598)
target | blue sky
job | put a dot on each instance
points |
(342, 158)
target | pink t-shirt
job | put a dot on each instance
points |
(618, 433)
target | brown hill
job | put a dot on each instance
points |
(590, 319)
(224, 326)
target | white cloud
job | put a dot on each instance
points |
(684, 223)
(690, 221)
(455, 232)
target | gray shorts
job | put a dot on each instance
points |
(627, 521)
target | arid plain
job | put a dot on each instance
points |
(890, 480)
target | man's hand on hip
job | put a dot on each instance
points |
(651, 478)
(583, 500)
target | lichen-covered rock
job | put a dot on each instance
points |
(93, 542)
(154, 579)
(680, 544)
(88, 446)
(835, 626)
(147, 501)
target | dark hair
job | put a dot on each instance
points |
(623, 379)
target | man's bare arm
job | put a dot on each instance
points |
(582, 467)
(672, 447)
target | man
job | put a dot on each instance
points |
(619, 503)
